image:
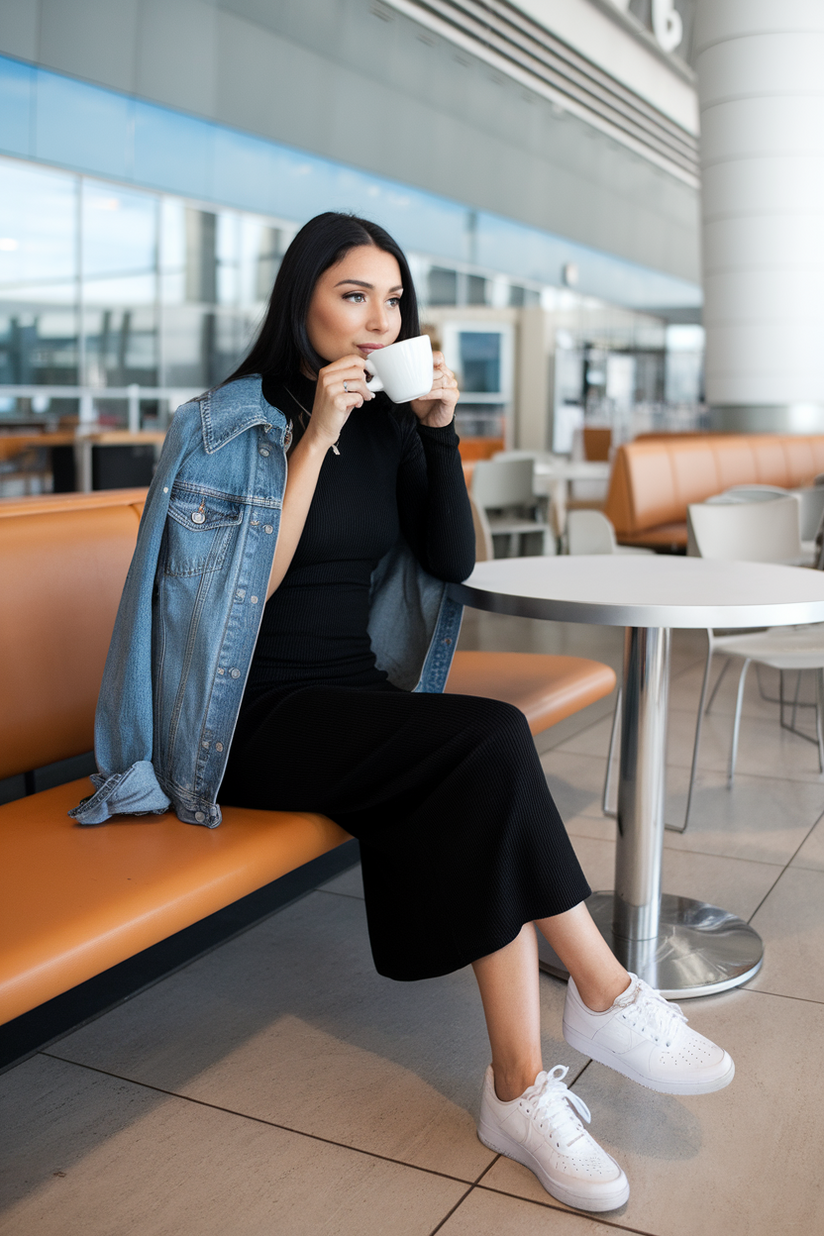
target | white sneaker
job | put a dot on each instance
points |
(541, 1131)
(646, 1038)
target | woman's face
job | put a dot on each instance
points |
(355, 307)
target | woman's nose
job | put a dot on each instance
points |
(378, 319)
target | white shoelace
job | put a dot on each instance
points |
(661, 1017)
(552, 1100)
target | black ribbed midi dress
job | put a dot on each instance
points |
(461, 843)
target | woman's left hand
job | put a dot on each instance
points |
(438, 407)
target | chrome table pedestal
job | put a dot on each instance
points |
(699, 950)
(682, 947)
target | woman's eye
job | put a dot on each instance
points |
(355, 298)
(393, 302)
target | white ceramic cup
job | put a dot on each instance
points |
(404, 370)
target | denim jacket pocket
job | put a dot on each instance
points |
(199, 531)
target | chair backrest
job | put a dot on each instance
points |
(589, 532)
(597, 443)
(749, 493)
(812, 510)
(503, 482)
(63, 560)
(745, 531)
(484, 548)
(543, 456)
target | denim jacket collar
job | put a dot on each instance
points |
(224, 413)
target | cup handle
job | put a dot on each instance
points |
(373, 381)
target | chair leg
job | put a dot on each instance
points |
(737, 722)
(795, 697)
(819, 721)
(696, 744)
(718, 680)
(616, 720)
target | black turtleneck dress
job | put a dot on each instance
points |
(461, 843)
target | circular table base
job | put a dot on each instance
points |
(700, 949)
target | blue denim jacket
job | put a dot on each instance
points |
(192, 606)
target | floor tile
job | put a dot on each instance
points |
(576, 782)
(791, 923)
(746, 1161)
(811, 853)
(87, 1153)
(347, 884)
(734, 884)
(291, 1023)
(763, 818)
(484, 1213)
(761, 690)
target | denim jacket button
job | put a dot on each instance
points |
(200, 817)
(218, 746)
(263, 451)
(235, 673)
(268, 528)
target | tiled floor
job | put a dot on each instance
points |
(278, 1085)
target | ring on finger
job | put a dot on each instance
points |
(346, 388)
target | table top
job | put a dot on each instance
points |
(660, 590)
(573, 469)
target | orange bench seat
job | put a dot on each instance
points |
(78, 900)
(75, 901)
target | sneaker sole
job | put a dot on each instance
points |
(562, 1192)
(587, 1048)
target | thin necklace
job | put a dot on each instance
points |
(309, 414)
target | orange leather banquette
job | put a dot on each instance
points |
(75, 901)
(654, 480)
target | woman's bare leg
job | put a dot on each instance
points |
(508, 982)
(599, 976)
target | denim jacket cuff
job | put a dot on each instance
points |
(133, 792)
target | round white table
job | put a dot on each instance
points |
(681, 946)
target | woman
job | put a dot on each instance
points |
(462, 847)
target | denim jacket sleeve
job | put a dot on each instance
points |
(126, 782)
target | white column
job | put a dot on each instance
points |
(760, 67)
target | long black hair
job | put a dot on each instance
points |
(282, 347)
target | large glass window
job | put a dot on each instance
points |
(120, 286)
(481, 361)
(38, 275)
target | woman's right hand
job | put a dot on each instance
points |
(333, 404)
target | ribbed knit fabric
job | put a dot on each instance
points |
(461, 843)
(391, 474)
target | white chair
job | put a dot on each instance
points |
(749, 493)
(752, 531)
(484, 549)
(810, 508)
(784, 649)
(812, 515)
(590, 532)
(503, 489)
(764, 530)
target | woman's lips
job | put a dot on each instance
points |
(369, 347)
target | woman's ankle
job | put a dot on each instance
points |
(511, 1083)
(599, 995)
